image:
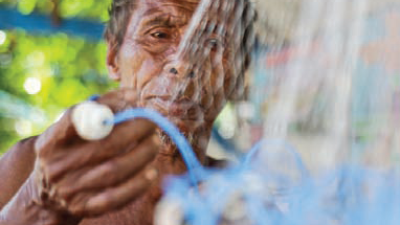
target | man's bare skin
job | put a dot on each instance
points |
(58, 178)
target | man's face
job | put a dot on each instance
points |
(165, 79)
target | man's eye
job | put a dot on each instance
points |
(214, 44)
(159, 35)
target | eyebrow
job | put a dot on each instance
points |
(162, 19)
(157, 20)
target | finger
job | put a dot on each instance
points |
(116, 170)
(116, 197)
(133, 130)
(124, 137)
(119, 100)
(59, 133)
(62, 131)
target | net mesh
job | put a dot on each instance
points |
(323, 95)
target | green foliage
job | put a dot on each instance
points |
(57, 70)
(87, 9)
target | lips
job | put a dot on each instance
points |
(183, 108)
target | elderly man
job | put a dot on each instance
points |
(187, 73)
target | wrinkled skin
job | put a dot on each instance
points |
(58, 178)
(149, 62)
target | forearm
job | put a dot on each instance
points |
(24, 209)
(16, 166)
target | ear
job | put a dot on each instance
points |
(112, 62)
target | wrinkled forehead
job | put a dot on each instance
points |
(190, 5)
(146, 11)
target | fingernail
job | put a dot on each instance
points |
(157, 139)
(63, 203)
(151, 174)
(52, 192)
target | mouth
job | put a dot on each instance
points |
(182, 109)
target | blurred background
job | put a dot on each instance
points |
(51, 56)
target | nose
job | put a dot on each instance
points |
(181, 69)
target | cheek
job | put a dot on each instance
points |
(129, 64)
(217, 77)
(224, 77)
(230, 81)
(233, 78)
(216, 86)
(214, 72)
(138, 66)
(149, 68)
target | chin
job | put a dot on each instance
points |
(186, 126)
(188, 117)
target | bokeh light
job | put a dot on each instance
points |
(23, 128)
(3, 37)
(48, 69)
(32, 85)
(35, 59)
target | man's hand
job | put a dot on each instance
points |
(85, 178)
